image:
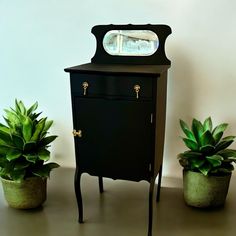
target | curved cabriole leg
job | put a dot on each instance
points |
(150, 206)
(159, 184)
(100, 181)
(78, 194)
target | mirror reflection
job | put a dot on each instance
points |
(130, 42)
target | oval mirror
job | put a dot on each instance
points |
(130, 42)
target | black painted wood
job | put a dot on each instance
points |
(100, 182)
(118, 69)
(116, 140)
(119, 131)
(158, 58)
(122, 136)
(111, 86)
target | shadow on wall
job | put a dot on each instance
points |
(181, 97)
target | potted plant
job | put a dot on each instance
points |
(207, 164)
(24, 156)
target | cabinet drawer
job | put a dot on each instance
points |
(111, 85)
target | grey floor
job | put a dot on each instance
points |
(120, 211)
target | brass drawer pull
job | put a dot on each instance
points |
(137, 89)
(85, 86)
(77, 133)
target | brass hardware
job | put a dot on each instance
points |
(77, 133)
(151, 118)
(136, 89)
(85, 86)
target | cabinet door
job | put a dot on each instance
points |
(116, 137)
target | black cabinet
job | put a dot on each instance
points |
(116, 126)
(119, 122)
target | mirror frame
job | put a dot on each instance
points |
(157, 58)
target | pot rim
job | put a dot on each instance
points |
(215, 176)
(19, 182)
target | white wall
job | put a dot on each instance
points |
(38, 39)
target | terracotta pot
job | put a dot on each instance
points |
(29, 193)
(205, 191)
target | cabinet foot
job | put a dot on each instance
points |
(78, 194)
(100, 181)
(152, 182)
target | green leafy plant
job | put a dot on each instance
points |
(209, 153)
(24, 143)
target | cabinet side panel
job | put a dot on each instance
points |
(160, 121)
(73, 113)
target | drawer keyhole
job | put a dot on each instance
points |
(85, 86)
(137, 89)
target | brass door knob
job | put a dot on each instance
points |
(137, 89)
(77, 133)
(85, 86)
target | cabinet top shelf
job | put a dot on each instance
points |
(119, 69)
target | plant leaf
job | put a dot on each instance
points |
(44, 171)
(205, 169)
(30, 146)
(3, 162)
(8, 122)
(13, 154)
(31, 157)
(206, 139)
(27, 129)
(12, 119)
(218, 129)
(18, 175)
(190, 154)
(215, 160)
(197, 129)
(22, 107)
(223, 144)
(208, 124)
(184, 163)
(190, 144)
(186, 130)
(44, 154)
(17, 107)
(34, 116)
(197, 162)
(32, 108)
(230, 159)
(4, 128)
(227, 153)
(208, 149)
(45, 141)
(6, 137)
(226, 169)
(38, 129)
(228, 138)
(21, 164)
(18, 141)
(4, 148)
(47, 126)
(217, 137)
(7, 169)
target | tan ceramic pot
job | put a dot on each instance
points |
(29, 193)
(205, 191)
